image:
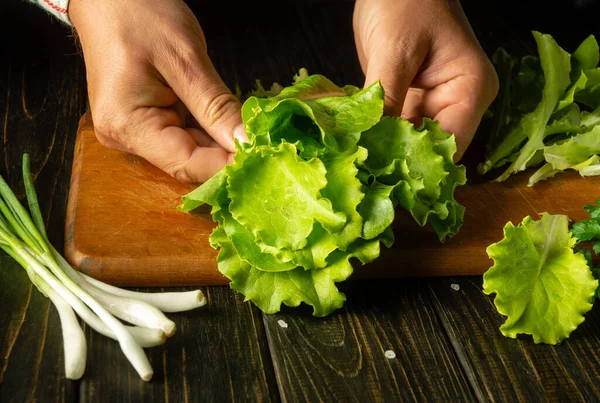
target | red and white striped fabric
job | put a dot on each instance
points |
(58, 8)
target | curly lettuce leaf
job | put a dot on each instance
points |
(397, 139)
(542, 286)
(297, 203)
(248, 249)
(345, 191)
(268, 290)
(211, 192)
(377, 209)
(447, 224)
(339, 118)
(282, 200)
(418, 163)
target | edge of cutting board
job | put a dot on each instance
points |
(191, 261)
(157, 270)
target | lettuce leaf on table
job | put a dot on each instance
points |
(317, 185)
(542, 285)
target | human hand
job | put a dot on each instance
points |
(152, 88)
(428, 60)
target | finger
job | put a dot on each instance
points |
(459, 105)
(459, 116)
(158, 138)
(412, 109)
(395, 66)
(462, 120)
(191, 74)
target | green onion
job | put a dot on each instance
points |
(23, 237)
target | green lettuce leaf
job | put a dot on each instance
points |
(377, 209)
(268, 290)
(556, 65)
(590, 96)
(579, 153)
(541, 285)
(301, 200)
(344, 190)
(533, 123)
(590, 119)
(569, 96)
(339, 118)
(586, 56)
(212, 192)
(573, 151)
(282, 201)
(418, 163)
(248, 249)
(567, 120)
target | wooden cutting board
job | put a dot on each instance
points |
(122, 225)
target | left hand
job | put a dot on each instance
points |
(429, 62)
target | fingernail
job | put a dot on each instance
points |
(239, 134)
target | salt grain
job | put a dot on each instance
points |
(455, 287)
(389, 354)
(282, 323)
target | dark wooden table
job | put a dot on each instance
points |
(447, 342)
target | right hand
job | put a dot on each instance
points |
(152, 88)
(429, 62)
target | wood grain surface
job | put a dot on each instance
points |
(41, 98)
(219, 353)
(123, 227)
(447, 342)
(342, 358)
(122, 223)
(506, 369)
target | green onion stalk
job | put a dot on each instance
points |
(23, 237)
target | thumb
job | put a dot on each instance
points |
(395, 67)
(197, 83)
